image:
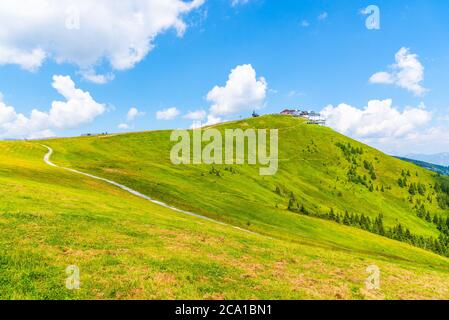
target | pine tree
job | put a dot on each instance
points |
(435, 220)
(421, 189)
(346, 219)
(291, 203)
(379, 225)
(278, 190)
(331, 214)
(412, 189)
(338, 218)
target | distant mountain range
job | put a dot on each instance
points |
(444, 170)
(441, 159)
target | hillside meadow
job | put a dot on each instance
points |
(129, 248)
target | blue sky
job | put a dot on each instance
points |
(311, 54)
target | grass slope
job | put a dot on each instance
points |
(311, 166)
(127, 247)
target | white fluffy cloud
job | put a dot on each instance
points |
(242, 92)
(432, 140)
(197, 115)
(85, 32)
(167, 114)
(133, 113)
(28, 60)
(211, 120)
(92, 76)
(407, 73)
(383, 126)
(379, 119)
(78, 108)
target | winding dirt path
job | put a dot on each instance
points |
(140, 195)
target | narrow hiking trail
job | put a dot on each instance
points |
(140, 195)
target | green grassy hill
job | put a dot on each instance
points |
(316, 166)
(127, 247)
